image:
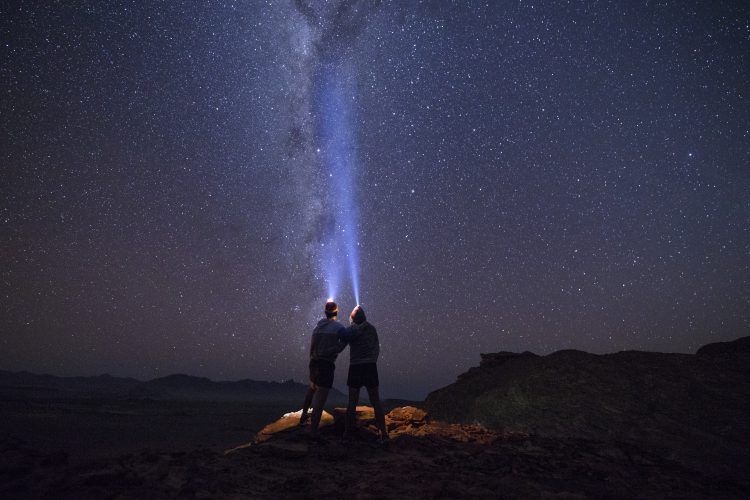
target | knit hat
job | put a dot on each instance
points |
(331, 309)
(358, 315)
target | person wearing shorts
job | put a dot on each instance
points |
(324, 348)
(364, 349)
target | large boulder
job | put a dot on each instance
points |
(289, 422)
(286, 433)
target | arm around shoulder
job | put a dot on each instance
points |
(347, 333)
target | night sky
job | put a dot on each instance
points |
(185, 183)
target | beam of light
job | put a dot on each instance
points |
(337, 100)
(331, 271)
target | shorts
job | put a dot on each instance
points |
(321, 373)
(365, 374)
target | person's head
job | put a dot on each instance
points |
(358, 315)
(331, 309)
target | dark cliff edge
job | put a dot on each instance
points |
(694, 409)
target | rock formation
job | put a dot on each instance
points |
(694, 409)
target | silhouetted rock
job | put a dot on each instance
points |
(694, 409)
(498, 358)
(732, 355)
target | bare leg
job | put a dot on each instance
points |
(318, 401)
(351, 411)
(306, 405)
(372, 392)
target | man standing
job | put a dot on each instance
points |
(364, 348)
(324, 348)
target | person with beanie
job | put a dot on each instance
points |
(364, 348)
(324, 348)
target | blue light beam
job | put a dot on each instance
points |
(337, 99)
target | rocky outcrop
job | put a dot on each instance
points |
(691, 408)
(404, 421)
(733, 355)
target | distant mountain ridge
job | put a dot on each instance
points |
(25, 385)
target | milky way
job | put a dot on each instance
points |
(323, 140)
(183, 183)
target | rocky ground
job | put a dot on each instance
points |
(566, 425)
(425, 459)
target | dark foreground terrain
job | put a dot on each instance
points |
(76, 431)
(570, 425)
(424, 459)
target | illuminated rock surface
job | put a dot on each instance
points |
(400, 422)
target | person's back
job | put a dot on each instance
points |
(324, 348)
(364, 346)
(325, 340)
(364, 349)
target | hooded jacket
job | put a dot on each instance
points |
(325, 340)
(364, 346)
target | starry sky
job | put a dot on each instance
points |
(183, 183)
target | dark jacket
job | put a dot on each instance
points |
(325, 343)
(364, 346)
